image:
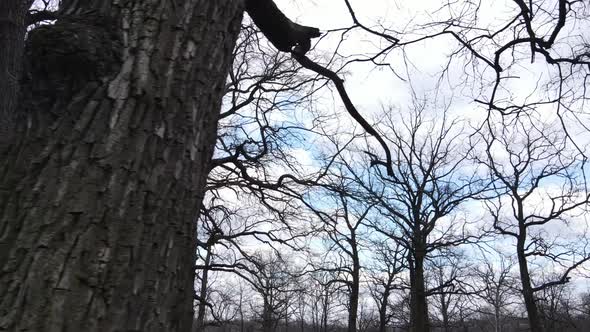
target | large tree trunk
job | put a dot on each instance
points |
(100, 189)
(419, 320)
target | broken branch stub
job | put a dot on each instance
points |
(284, 34)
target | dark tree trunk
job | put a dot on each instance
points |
(200, 323)
(267, 316)
(527, 288)
(445, 312)
(286, 318)
(383, 309)
(100, 190)
(325, 310)
(419, 320)
(355, 286)
(384, 303)
(302, 324)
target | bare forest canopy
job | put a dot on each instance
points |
(277, 165)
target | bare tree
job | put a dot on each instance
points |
(384, 277)
(271, 278)
(343, 227)
(250, 142)
(540, 183)
(557, 306)
(417, 203)
(302, 305)
(400, 310)
(494, 276)
(324, 297)
(224, 309)
(449, 287)
(367, 317)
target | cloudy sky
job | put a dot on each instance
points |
(424, 67)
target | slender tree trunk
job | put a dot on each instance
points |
(383, 309)
(527, 288)
(325, 309)
(354, 287)
(498, 327)
(99, 193)
(445, 312)
(241, 307)
(419, 320)
(203, 291)
(444, 302)
(242, 323)
(302, 325)
(287, 317)
(302, 304)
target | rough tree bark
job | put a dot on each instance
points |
(101, 185)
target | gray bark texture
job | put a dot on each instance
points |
(101, 184)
